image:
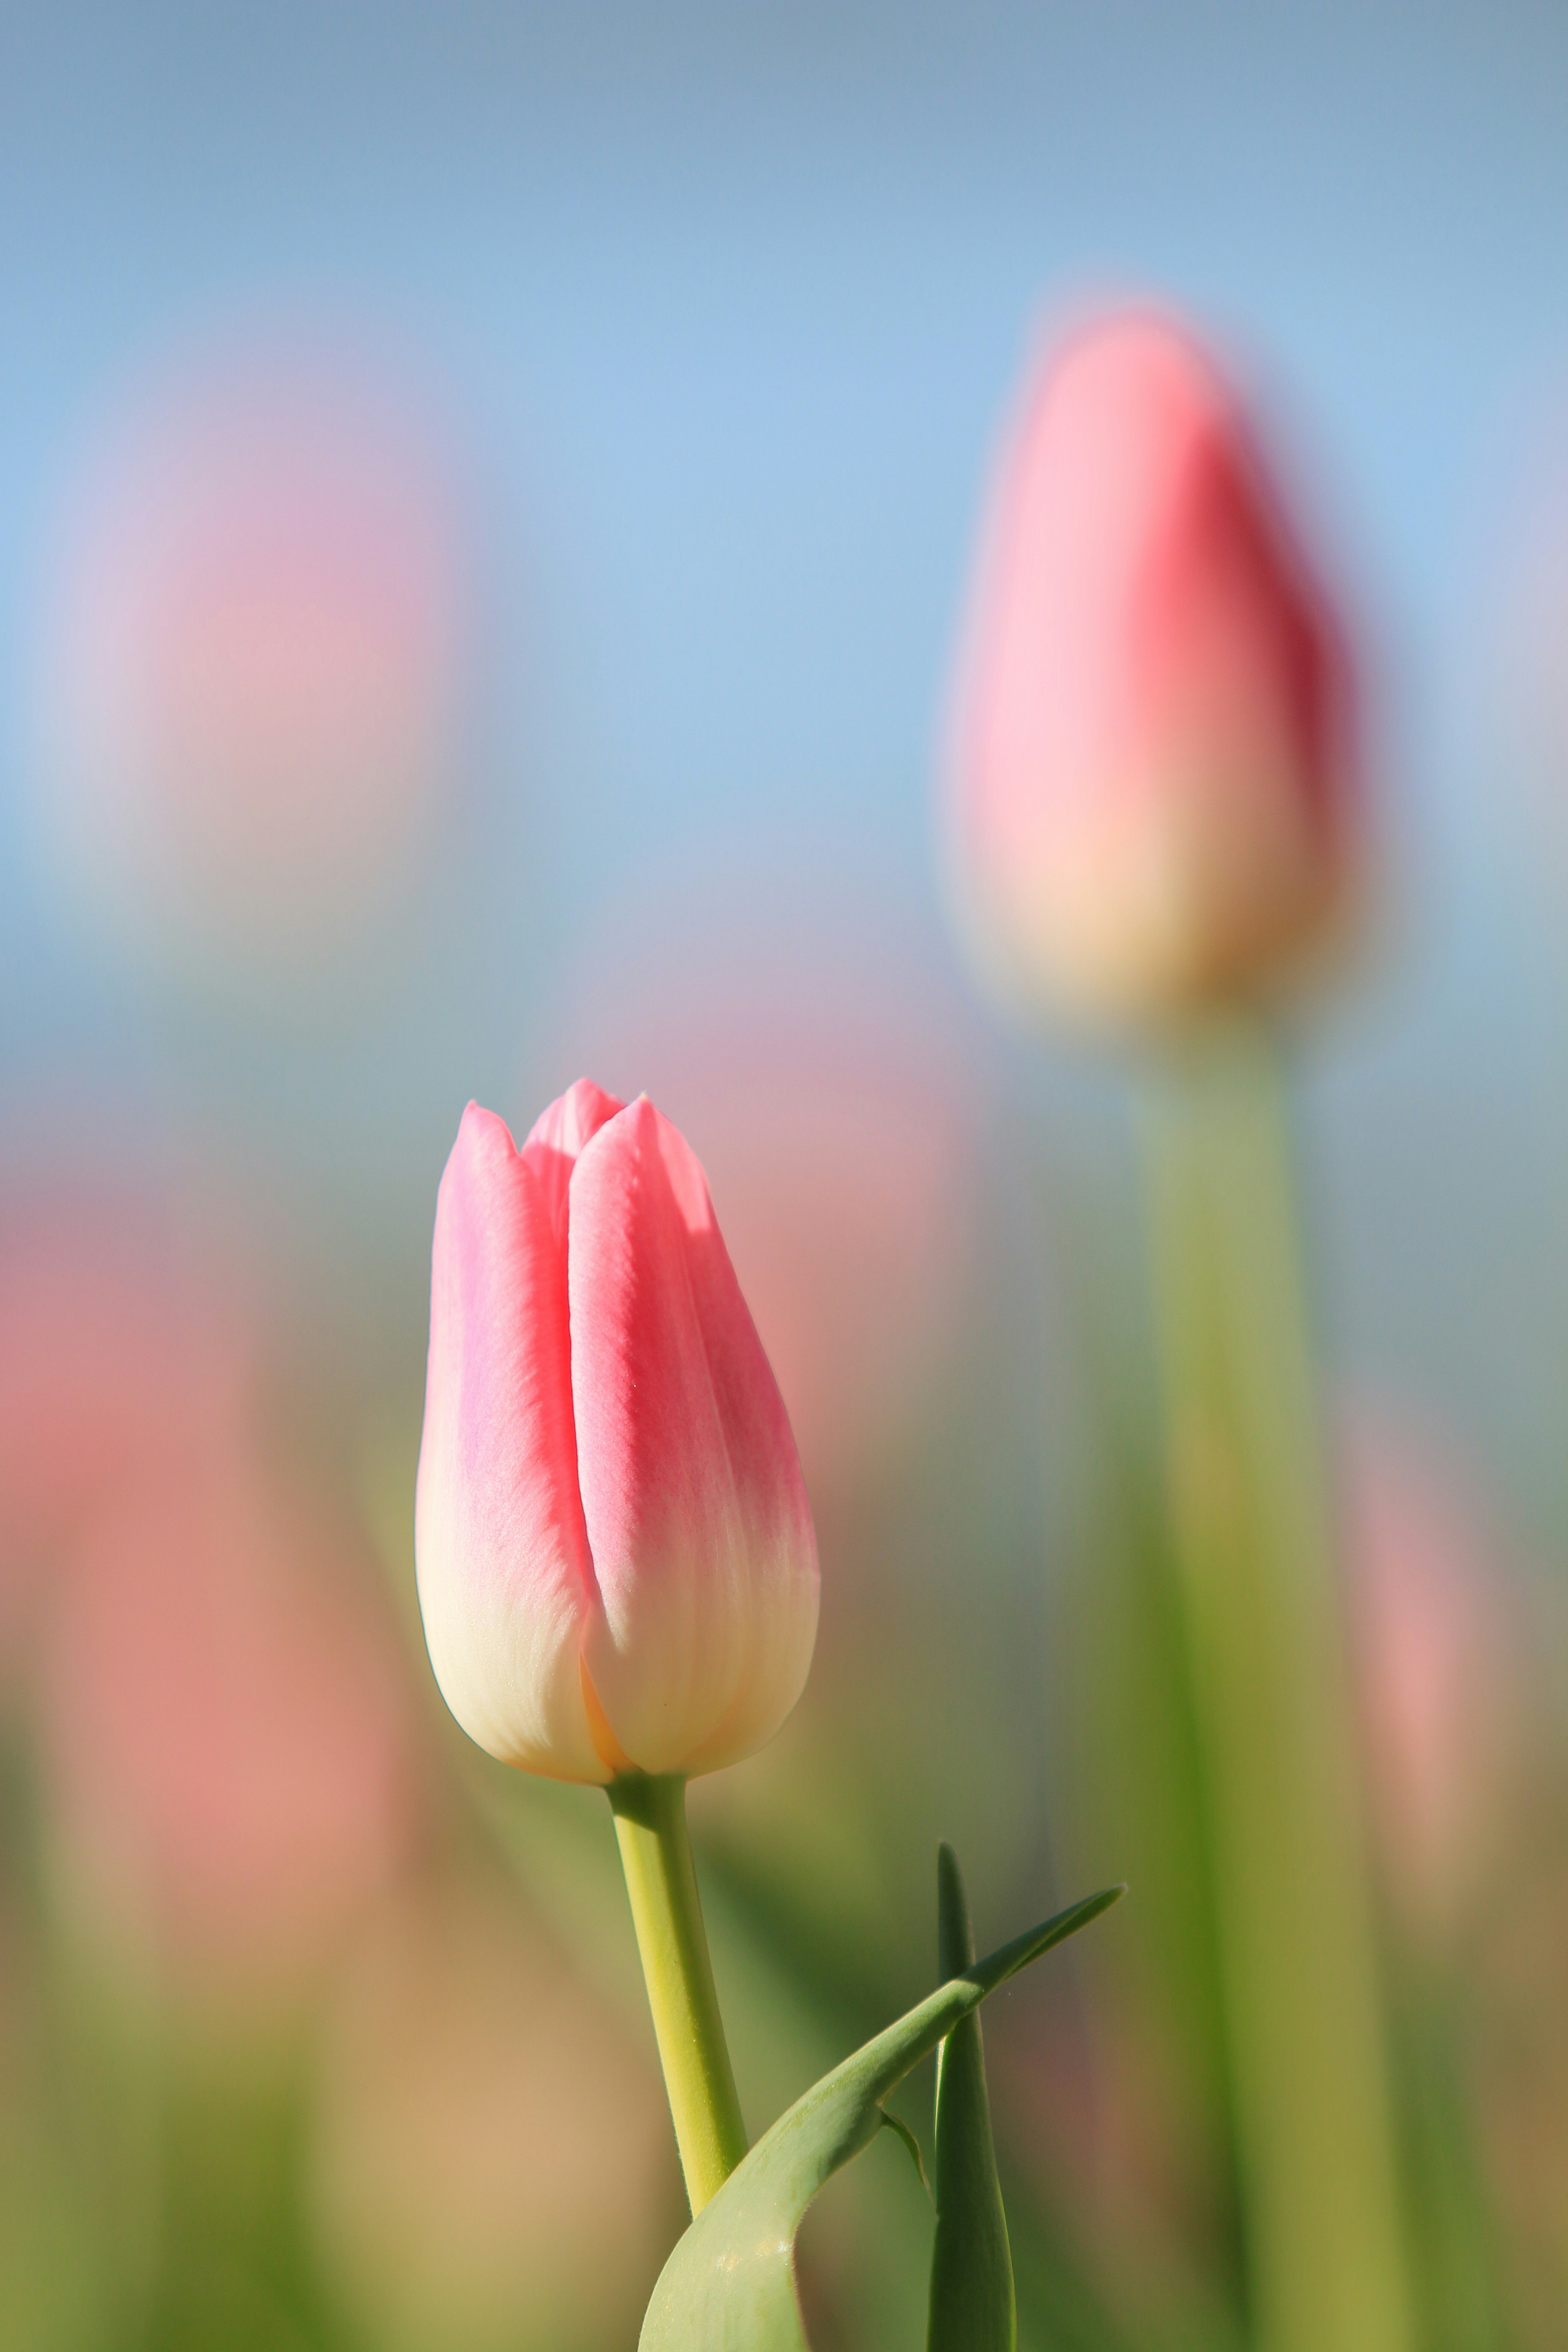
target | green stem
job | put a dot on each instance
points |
(1299, 1963)
(655, 1855)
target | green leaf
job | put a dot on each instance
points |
(972, 2306)
(896, 2124)
(728, 2286)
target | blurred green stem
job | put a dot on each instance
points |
(661, 1880)
(1298, 1965)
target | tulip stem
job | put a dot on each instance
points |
(1253, 1536)
(666, 1912)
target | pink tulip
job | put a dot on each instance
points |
(1151, 800)
(618, 1568)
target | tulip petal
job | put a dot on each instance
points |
(559, 1134)
(696, 1511)
(505, 1575)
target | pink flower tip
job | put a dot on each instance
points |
(617, 1563)
(1151, 799)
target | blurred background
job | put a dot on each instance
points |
(486, 501)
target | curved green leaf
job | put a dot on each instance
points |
(901, 2129)
(728, 2286)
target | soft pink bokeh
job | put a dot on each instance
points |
(1441, 1656)
(123, 1368)
(848, 1199)
(227, 1734)
(225, 1723)
(253, 676)
(836, 1105)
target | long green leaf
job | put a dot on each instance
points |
(972, 2304)
(728, 2286)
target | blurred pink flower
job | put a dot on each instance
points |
(618, 1566)
(254, 673)
(226, 1733)
(122, 1369)
(1151, 793)
(1442, 1668)
(839, 1120)
(848, 1196)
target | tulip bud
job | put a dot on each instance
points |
(617, 1563)
(1151, 800)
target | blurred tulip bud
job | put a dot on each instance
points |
(125, 1365)
(841, 1106)
(617, 1563)
(121, 1364)
(227, 1738)
(255, 660)
(1151, 798)
(1442, 1660)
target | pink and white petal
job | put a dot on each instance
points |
(778, 1621)
(505, 1575)
(685, 1462)
(778, 1636)
(559, 1134)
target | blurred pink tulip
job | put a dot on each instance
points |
(848, 1196)
(254, 662)
(121, 1370)
(1441, 1667)
(1151, 799)
(227, 1736)
(842, 1102)
(617, 1563)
